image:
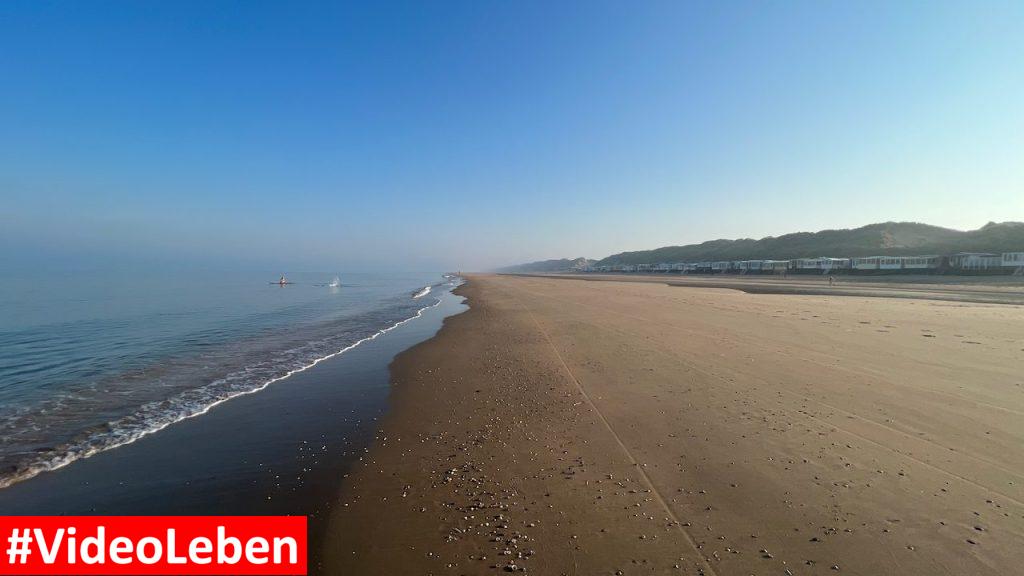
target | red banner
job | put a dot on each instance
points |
(170, 545)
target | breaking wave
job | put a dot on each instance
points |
(121, 410)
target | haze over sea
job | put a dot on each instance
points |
(92, 361)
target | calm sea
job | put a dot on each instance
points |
(94, 362)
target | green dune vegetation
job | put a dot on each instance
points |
(887, 238)
(883, 239)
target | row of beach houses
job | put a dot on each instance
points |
(964, 262)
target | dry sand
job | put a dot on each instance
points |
(575, 427)
(998, 289)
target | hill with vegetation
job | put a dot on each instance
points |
(888, 238)
(560, 265)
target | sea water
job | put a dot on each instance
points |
(91, 362)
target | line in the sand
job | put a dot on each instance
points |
(808, 398)
(618, 440)
(810, 416)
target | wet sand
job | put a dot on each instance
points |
(281, 451)
(579, 427)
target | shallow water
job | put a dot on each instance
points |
(282, 450)
(91, 362)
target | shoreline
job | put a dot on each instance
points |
(71, 456)
(281, 451)
(610, 428)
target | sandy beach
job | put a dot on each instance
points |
(564, 426)
(950, 288)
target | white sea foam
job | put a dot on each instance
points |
(156, 416)
(423, 292)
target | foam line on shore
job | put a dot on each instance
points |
(76, 452)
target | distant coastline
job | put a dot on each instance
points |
(873, 240)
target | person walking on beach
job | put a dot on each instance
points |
(831, 280)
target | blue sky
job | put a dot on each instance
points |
(466, 135)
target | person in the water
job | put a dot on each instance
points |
(282, 281)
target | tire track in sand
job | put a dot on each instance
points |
(629, 455)
(806, 415)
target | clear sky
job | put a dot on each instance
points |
(442, 135)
